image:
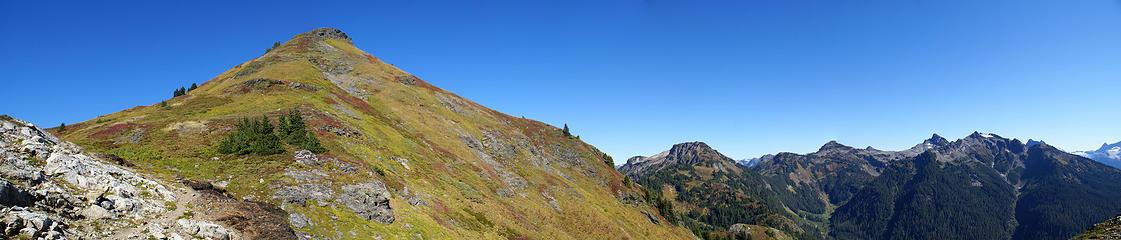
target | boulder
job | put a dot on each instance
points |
(368, 200)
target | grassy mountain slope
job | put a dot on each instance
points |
(455, 169)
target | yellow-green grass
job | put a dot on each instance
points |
(401, 120)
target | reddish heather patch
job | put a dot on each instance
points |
(440, 207)
(423, 84)
(371, 58)
(112, 130)
(302, 44)
(330, 101)
(356, 103)
(327, 120)
(616, 186)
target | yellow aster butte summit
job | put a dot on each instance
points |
(404, 159)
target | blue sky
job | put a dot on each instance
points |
(631, 77)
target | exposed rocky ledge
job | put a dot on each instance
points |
(51, 189)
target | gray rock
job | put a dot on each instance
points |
(206, 230)
(407, 80)
(369, 200)
(306, 157)
(299, 220)
(740, 228)
(96, 212)
(20, 221)
(652, 217)
(301, 193)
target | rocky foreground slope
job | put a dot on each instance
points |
(403, 159)
(53, 189)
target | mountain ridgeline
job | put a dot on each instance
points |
(1110, 154)
(982, 186)
(385, 155)
(711, 192)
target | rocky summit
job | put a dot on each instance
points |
(376, 153)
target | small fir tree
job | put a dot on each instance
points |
(62, 127)
(297, 135)
(252, 136)
(193, 87)
(566, 132)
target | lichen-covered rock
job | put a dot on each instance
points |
(206, 230)
(22, 222)
(306, 157)
(740, 228)
(368, 200)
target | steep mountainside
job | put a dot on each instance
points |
(982, 187)
(710, 191)
(813, 185)
(1110, 154)
(403, 158)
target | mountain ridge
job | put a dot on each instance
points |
(844, 192)
(403, 158)
(1110, 154)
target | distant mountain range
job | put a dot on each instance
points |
(982, 186)
(750, 162)
(711, 193)
(1110, 154)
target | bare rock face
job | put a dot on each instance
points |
(326, 33)
(49, 184)
(369, 200)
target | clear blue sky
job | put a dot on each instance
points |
(631, 77)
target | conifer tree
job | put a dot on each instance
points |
(297, 135)
(193, 87)
(566, 132)
(252, 136)
(62, 127)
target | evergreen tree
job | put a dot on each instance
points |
(62, 127)
(252, 137)
(282, 128)
(275, 45)
(566, 132)
(296, 134)
(193, 87)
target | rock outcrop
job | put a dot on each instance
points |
(52, 189)
(369, 200)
